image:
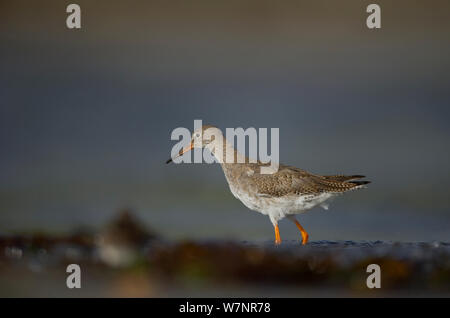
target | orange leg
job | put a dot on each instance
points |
(277, 235)
(302, 230)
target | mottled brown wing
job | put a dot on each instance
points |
(290, 180)
(343, 178)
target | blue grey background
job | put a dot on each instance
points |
(86, 115)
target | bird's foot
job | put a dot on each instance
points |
(303, 232)
(277, 235)
(304, 238)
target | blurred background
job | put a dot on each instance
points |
(86, 115)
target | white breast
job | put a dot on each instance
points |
(279, 207)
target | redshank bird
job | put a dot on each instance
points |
(284, 193)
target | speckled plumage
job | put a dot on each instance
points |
(288, 191)
(284, 193)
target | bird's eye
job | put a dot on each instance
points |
(197, 135)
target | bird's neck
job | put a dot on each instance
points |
(225, 153)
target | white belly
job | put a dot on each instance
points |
(279, 207)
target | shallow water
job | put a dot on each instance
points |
(35, 266)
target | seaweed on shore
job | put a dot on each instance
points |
(124, 245)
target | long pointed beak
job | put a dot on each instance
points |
(182, 151)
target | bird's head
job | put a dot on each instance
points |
(206, 136)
